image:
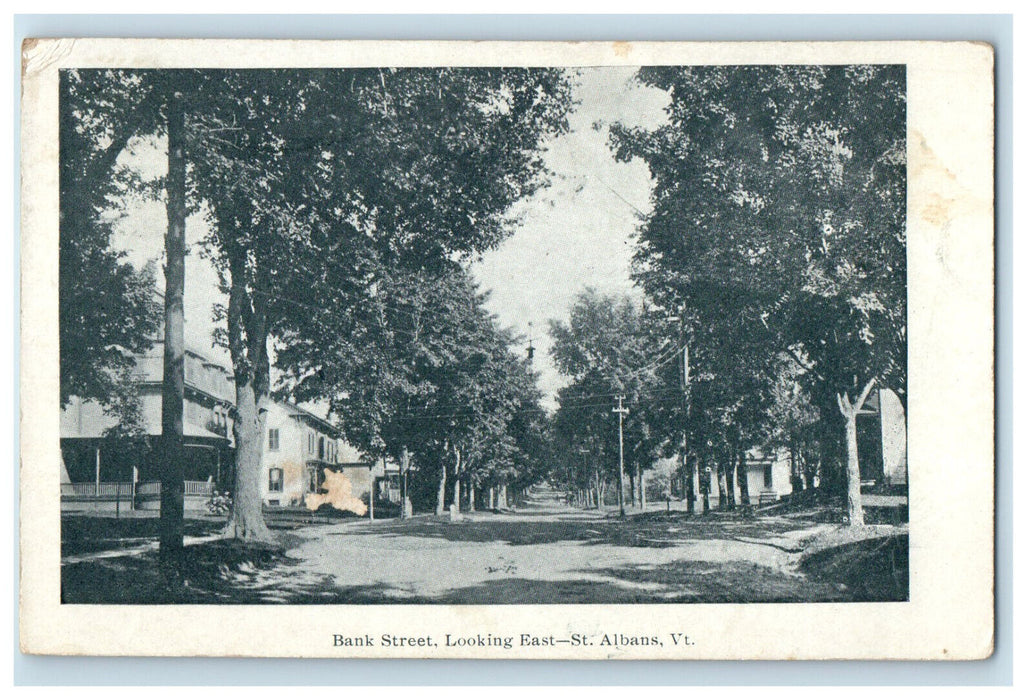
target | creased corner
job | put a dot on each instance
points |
(40, 54)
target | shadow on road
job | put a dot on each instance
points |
(536, 556)
(639, 530)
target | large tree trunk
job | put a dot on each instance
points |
(723, 494)
(855, 514)
(744, 484)
(642, 488)
(246, 521)
(171, 513)
(730, 480)
(850, 410)
(796, 476)
(248, 335)
(705, 488)
(456, 484)
(688, 475)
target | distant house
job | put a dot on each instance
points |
(882, 454)
(768, 477)
(300, 448)
(96, 469)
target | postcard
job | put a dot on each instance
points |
(507, 349)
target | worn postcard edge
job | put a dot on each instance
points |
(950, 612)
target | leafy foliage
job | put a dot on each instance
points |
(780, 198)
(108, 310)
(610, 347)
(777, 234)
(323, 189)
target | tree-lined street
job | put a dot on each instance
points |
(755, 359)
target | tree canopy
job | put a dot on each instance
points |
(321, 186)
(108, 309)
(777, 229)
(611, 346)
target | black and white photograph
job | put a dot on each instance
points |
(486, 335)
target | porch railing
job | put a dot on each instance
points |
(107, 489)
(149, 488)
(197, 488)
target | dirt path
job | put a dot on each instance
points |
(549, 552)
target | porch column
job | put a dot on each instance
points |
(97, 472)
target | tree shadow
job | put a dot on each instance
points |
(639, 530)
(82, 534)
(214, 572)
(226, 573)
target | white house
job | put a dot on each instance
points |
(882, 439)
(300, 448)
(768, 477)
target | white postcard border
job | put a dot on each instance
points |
(951, 409)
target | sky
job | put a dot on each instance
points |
(577, 232)
(574, 233)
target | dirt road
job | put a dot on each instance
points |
(544, 552)
(547, 552)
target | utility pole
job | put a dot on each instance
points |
(584, 452)
(170, 527)
(622, 412)
(687, 464)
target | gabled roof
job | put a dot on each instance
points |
(294, 409)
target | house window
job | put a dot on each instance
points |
(312, 442)
(321, 449)
(218, 420)
(276, 480)
(274, 439)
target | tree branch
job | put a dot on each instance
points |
(864, 395)
(793, 356)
